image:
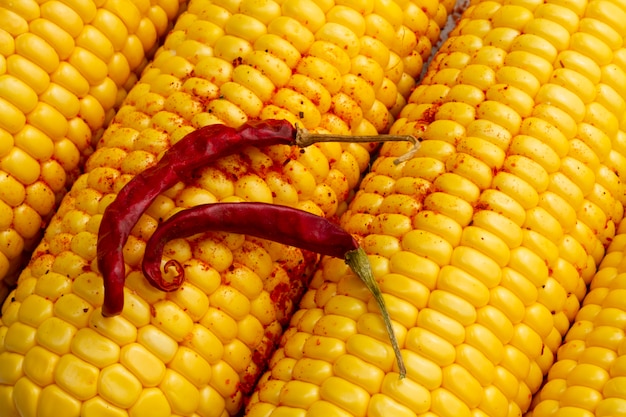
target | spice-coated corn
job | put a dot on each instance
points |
(64, 68)
(483, 243)
(338, 67)
(588, 376)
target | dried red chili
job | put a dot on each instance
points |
(281, 224)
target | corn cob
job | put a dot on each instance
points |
(64, 67)
(484, 242)
(341, 67)
(587, 378)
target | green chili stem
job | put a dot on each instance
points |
(359, 263)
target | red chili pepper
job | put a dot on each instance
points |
(281, 224)
(268, 221)
(194, 151)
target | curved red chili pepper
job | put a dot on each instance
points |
(268, 221)
(192, 152)
(281, 224)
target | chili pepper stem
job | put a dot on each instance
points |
(305, 138)
(359, 263)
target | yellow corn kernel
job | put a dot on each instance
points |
(150, 401)
(37, 50)
(87, 341)
(56, 398)
(18, 93)
(119, 329)
(118, 386)
(142, 363)
(333, 390)
(76, 376)
(180, 393)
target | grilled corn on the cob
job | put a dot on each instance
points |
(340, 67)
(484, 242)
(64, 66)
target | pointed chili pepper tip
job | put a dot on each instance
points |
(358, 261)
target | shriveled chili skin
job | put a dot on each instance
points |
(281, 224)
(194, 151)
